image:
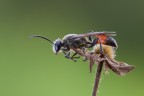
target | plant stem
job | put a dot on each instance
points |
(97, 79)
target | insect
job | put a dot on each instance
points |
(80, 42)
(103, 52)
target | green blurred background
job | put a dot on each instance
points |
(28, 67)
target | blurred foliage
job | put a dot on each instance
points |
(28, 67)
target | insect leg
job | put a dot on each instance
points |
(72, 58)
(94, 42)
(85, 60)
(75, 56)
(90, 38)
(67, 55)
(83, 50)
(101, 49)
(66, 52)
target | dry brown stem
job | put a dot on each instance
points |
(120, 68)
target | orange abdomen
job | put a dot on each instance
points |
(102, 37)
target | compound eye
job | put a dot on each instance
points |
(57, 45)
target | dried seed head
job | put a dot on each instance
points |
(108, 50)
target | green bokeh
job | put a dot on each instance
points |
(28, 67)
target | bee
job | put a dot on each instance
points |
(80, 42)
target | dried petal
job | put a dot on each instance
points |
(119, 68)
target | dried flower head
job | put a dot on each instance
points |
(108, 58)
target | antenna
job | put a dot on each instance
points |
(42, 38)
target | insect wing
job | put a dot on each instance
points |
(93, 34)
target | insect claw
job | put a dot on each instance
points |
(75, 60)
(85, 60)
(66, 56)
(76, 57)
